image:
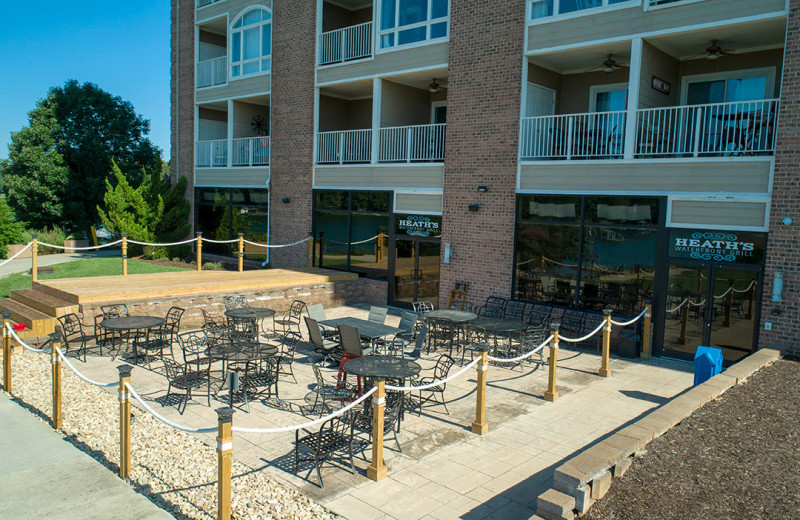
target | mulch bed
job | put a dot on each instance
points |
(737, 457)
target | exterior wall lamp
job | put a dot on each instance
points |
(286, 200)
(483, 189)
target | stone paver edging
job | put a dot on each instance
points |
(587, 477)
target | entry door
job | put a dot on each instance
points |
(416, 272)
(711, 305)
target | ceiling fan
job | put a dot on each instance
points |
(714, 52)
(608, 65)
(434, 86)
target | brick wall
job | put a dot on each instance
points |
(293, 44)
(485, 78)
(783, 247)
(182, 95)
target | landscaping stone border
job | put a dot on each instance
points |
(587, 477)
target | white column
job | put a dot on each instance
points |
(230, 133)
(377, 84)
(634, 82)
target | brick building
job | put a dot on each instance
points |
(571, 154)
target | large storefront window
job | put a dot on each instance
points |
(351, 231)
(223, 213)
(586, 252)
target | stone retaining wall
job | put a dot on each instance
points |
(587, 477)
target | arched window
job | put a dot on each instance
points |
(251, 43)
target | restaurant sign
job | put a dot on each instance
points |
(717, 246)
(419, 225)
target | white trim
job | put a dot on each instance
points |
(348, 62)
(401, 165)
(235, 98)
(769, 72)
(648, 7)
(397, 28)
(621, 192)
(578, 14)
(384, 75)
(233, 186)
(414, 45)
(605, 87)
(240, 63)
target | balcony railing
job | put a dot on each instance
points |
(350, 43)
(211, 153)
(655, 3)
(596, 135)
(418, 143)
(212, 72)
(203, 3)
(250, 151)
(712, 130)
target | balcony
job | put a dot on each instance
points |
(596, 135)
(347, 44)
(402, 144)
(248, 151)
(212, 72)
(203, 3)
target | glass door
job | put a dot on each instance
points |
(416, 272)
(732, 316)
(687, 296)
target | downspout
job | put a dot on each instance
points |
(269, 214)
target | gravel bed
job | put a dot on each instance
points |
(737, 457)
(173, 469)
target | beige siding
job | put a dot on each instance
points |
(231, 177)
(623, 22)
(661, 177)
(574, 95)
(231, 7)
(402, 105)
(214, 39)
(663, 66)
(335, 17)
(718, 213)
(243, 113)
(416, 202)
(379, 176)
(387, 63)
(544, 77)
(237, 88)
(212, 115)
(339, 114)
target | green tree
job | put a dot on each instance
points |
(11, 230)
(59, 163)
(131, 210)
(173, 226)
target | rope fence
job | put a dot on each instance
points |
(24, 345)
(163, 419)
(523, 356)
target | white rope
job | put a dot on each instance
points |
(17, 254)
(310, 423)
(559, 263)
(354, 243)
(747, 289)
(164, 419)
(25, 345)
(92, 381)
(81, 248)
(277, 245)
(724, 294)
(684, 302)
(131, 241)
(698, 304)
(625, 324)
(435, 383)
(584, 338)
(523, 356)
(218, 241)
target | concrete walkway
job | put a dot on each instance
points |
(44, 476)
(23, 265)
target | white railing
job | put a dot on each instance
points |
(596, 135)
(350, 43)
(655, 3)
(212, 72)
(211, 153)
(718, 129)
(412, 143)
(344, 146)
(203, 3)
(250, 151)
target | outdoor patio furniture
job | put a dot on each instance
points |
(329, 350)
(291, 321)
(407, 322)
(236, 301)
(240, 316)
(261, 375)
(493, 308)
(539, 315)
(461, 306)
(351, 344)
(572, 323)
(74, 334)
(326, 392)
(377, 314)
(435, 394)
(133, 328)
(245, 357)
(163, 336)
(392, 415)
(421, 307)
(334, 435)
(515, 310)
(114, 310)
(182, 377)
(441, 334)
(317, 312)
(193, 346)
(215, 328)
(286, 356)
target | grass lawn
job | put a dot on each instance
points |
(82, 269)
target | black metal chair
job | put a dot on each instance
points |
(193, 346)
(334, 435)
(237, 301)
(291, 321)
(392, 414)
(73, 332)
(493, 308)
(539, 316)
(435, 394)
(515, 310)
(115, 310)
(461, 306)
(179, 376)
(163, 336)
(216, 329)
(286, 356)
(441, 334)
(261, 377)
(327, 392)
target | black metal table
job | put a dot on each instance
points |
(367, 329)
(241, 352)
(382, 367)
(499, 325)
(130, 324)
(250, 313)
(454, 316)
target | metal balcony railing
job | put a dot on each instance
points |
(250, 151)
(416, 143)
(212, 72)
(350, 43)
(594, 135)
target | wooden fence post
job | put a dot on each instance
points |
(605, 371)
(552, 394)
(480, 426)
(377, 469)
(124, 254)
(311, 250)
(224, 461)
(35, 257)
(648, 310)
(241, 252)
(199, 248)
(55, 359)
(7, 353)
(124, 422)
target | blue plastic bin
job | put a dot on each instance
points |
(707, 364)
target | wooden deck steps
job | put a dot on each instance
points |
(44, 302)
(36, 322)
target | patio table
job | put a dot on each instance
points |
(123, 324)
(382, 367)
(454, 316)
(241, 352)
(367, 329)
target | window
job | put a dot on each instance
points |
(545, 8)
(223, 213)
(405, 22)
(251, 43)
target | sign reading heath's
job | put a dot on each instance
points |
(717, 246)
(419, 225)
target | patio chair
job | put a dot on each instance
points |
(261, 375)
(474, 336)
(493, 308)
(214, 328)
(539, 316)
(441, 334)
(115, 310)
(421, 307)
(237, 301)
(408, 321)
(286, 356)
(392, 414)
(181, 377)
(572, 323)
(317, 312)
(377, 314)
(291, 321)
(329, 350)
(435, 394)
(193, 346)
(515, 310)
(163, 336)
(74, 334)
(326, 392)
(461, 306)
(351, 344)
(333, 436)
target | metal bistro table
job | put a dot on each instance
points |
(454, 316)
(255, 314)
(241, 352)
(130, 324)
(367, 329)
(502, 327)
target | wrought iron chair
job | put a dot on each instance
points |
(461, 306)
(515, 310)
(286, 356)
(193, 346)
(435, 394)
(333, 436)
(74, 332)
(115, 310)
(163, 336)
(326, 392)
(291, 321)
(262, 376)
(392, 415)
(179, 376)
(493, 308)
(441, 334)
(237, 301)
(214, 328)
(539, 316)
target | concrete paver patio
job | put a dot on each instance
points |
(444, 471)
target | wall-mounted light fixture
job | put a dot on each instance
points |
(447, 252)
(286, 200)
(483, 189)
(474, 208)
(786, 221)
(777, 286)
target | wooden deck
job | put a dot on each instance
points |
(107, 289)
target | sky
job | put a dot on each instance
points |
(123, 47)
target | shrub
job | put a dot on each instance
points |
(55, 236)
(11, 230)
(212, 266)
